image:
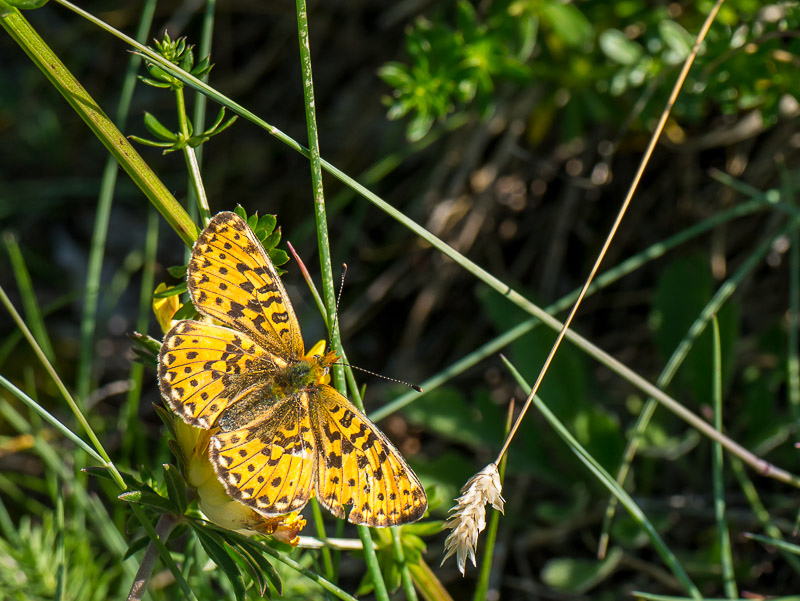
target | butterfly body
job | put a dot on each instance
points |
(282, 434)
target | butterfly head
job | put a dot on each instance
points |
(323, 360)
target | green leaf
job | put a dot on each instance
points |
(619, 48)
(177, 271)
(187, 311)
(676, 38)
(27, 4)
(247, 563)
(214, 546)
(136, 546)
(176, 487)
(419, 126)
(395, 74)
(569, 23)
(682, 291)
(150, 499)
(278, 257)
(256, 553)
(239, 210)
(577, 576)
(155, 127)
(175, 290)
(266, 223)
(273, 239)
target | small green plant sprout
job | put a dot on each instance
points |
(181, 54)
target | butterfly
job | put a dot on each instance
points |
(282, 434)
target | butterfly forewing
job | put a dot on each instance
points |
(203, 368)
(231, 278)
(358, 466)
(269, 464)
(282, 434)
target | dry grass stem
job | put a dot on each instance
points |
(469, 515)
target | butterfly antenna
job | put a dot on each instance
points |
(372, 373)
(338, 298)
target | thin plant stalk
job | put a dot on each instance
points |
(405, 573)
(201, 103)
(99, 453)
(760, 511)
(192, 164)
(30, 305)
(327, 561)
(623, 209)
(323, 243)
(723, 533)
(601, 281)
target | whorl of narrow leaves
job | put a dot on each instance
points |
(468, 517)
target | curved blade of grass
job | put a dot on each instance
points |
(84, 105)
(598, 354)
(722, 294)
(723, 534)
(605, 279)
(53, 421)
(613, 487)
(30, 305)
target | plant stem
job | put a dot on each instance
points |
(166, 524)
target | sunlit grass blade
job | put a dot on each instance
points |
(613, 487)
(106, 131)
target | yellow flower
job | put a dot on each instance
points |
(165, 308)
(215, 503)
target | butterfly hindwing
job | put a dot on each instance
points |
(269, 463)
(280, 434)
(231, 278)
(203, 368)
(359, 467)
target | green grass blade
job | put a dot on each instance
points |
(84, 105)
(613, 487)
(405, 573)
(30, 305)
(100, 231)
(722, 294)
(604, 279)
(723, 533)
(52, 420)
